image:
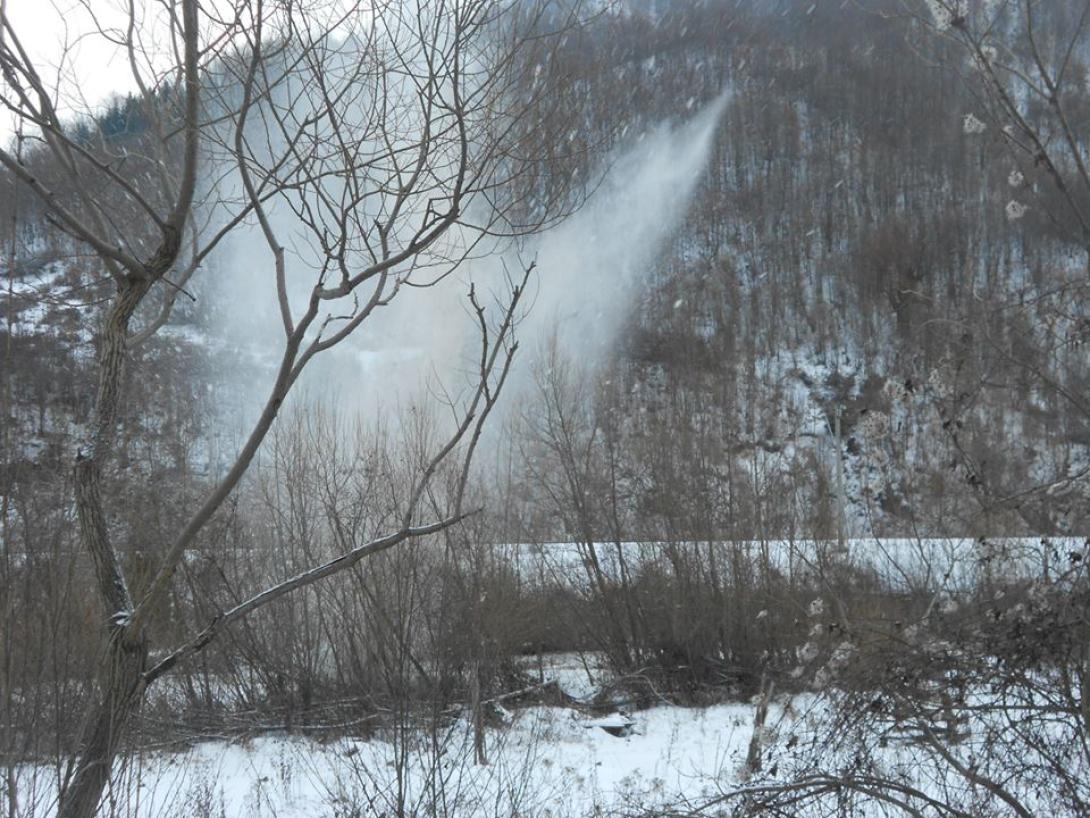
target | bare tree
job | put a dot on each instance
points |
(388, 141)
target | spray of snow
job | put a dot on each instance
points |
(589, 269)
(593, 265)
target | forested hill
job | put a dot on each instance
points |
(866, 245)
(869, 320)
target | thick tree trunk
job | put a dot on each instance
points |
(120, 691)
(96, 449)
(121, 682)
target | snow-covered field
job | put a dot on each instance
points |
(541, 761)
(548, 761)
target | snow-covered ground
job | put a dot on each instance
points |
(542, 761)
(547, 761)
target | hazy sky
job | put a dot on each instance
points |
(85, 69)
(66, 43)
